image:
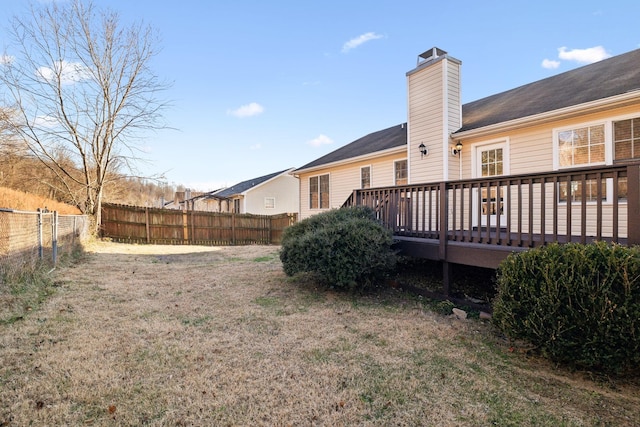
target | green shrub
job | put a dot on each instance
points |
(346, 247)
(579, 304)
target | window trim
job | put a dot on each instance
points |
(608, 143)
(480, 146)
(328, 175)
(271, 205)
(629, 116)
(395, 169)
(370, 176)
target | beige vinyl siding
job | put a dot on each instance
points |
(284, 189)
(343, 179)
(425, 88)
(454, 116)
(531, 151)
(531, 147)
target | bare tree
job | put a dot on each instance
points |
(82, 86)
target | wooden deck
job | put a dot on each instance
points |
(480, 222)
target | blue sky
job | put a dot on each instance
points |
(261, 86)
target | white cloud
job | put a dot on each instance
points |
(320, 140)
(550, 64)
(252, 109)
(255, 147)
(357, 41)
(6, 59)
(46, 122)
(583, 56)
(70, 72)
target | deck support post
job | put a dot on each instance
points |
(446, 278)
(443, 237)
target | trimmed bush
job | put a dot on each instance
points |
(578, 304)
(346, 247)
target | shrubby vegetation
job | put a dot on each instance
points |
(348, 248)
(578, 304)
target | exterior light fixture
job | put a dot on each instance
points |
(457, 149)
(423, 150)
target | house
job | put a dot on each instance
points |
(271, 194)
(181, 199)
(553, 160)
(375, 160)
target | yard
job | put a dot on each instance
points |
(185, 335)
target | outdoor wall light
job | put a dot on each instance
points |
(457, 149)
(423, 150)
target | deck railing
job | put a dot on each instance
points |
(514, 212)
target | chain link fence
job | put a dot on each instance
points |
(28, 237)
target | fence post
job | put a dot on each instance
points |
(54, 237)
(233, 228)
(185, 227)
(40, 238)
(633, 204)
(146, 223)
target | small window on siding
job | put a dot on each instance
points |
(365, 177)
(400, 168)
(269, 202)
(319, 192)
(581, 146)
(626, 139)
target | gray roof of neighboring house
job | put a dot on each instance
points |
(613, 76)
(243, 186)
(395, 136)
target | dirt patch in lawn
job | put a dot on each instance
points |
(183, 335)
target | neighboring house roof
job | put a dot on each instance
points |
(243, 186)
(395, 136)
(610, 77)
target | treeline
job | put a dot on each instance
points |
(19, 171)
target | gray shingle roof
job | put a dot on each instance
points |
(610, 77)
(243, 186)
(613, 76)
(395, 136)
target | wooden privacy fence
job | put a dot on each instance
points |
(134, 224)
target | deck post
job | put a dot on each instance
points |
(633, 204)
(447, 271)
(443, 236)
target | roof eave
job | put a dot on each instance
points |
(286, 172)
(362, 157)
(553, 115)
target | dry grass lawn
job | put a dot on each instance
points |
(202, 336)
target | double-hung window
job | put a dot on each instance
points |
(269, 202)
(400, 170)
(319, 192)
(626, 146)
(626, 139)
(582, 146)
(365, 177)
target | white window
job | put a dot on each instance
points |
(626, 139)
(400, 169)
(319, 192)
(365, 177)
(581, 146)
(269, 202)
(577, 147)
